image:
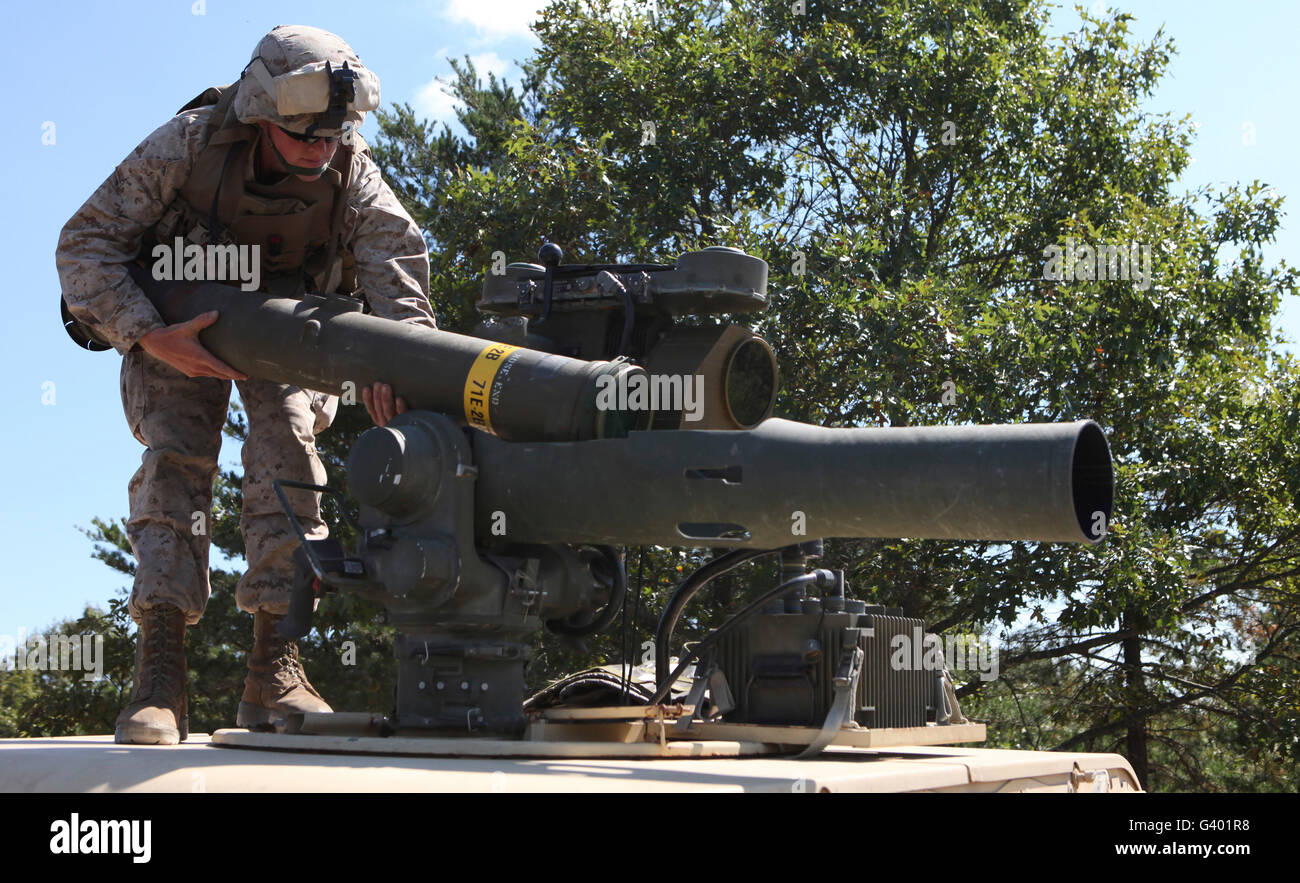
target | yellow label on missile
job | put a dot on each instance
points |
(478, 385)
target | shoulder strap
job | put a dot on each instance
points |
(210, 95)
(221, 96)
(336, 219)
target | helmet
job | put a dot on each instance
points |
(308, 81)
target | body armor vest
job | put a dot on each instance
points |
(295, 224)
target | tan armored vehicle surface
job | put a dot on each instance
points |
(96, 764)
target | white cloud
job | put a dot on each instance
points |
(496, 18)
(433, 102)
(490, 61)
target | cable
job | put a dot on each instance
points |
(822, 578)
(636, 603)
(692, 584)
(623, 669)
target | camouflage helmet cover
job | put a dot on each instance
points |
(277, 85)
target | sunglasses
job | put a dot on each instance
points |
(307, 139)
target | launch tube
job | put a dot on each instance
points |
(324, 343)
(784, 482)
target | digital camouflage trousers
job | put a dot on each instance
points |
(179, 420)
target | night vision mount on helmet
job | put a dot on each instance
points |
(307, 81)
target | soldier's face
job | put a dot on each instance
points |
(298, 153)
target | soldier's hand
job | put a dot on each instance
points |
(381, 404)
(178, 346)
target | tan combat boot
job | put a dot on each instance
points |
(276, 684)
(159, 710)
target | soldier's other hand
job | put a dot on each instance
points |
(381, 404)
(178, 345)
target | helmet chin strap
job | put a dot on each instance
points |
(312, 171)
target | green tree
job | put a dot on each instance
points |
(904, 168)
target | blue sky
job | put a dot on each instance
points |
(105, 75)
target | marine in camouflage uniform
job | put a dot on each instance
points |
(343, 230)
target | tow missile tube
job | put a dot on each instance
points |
(784, 482)
(324, 343)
